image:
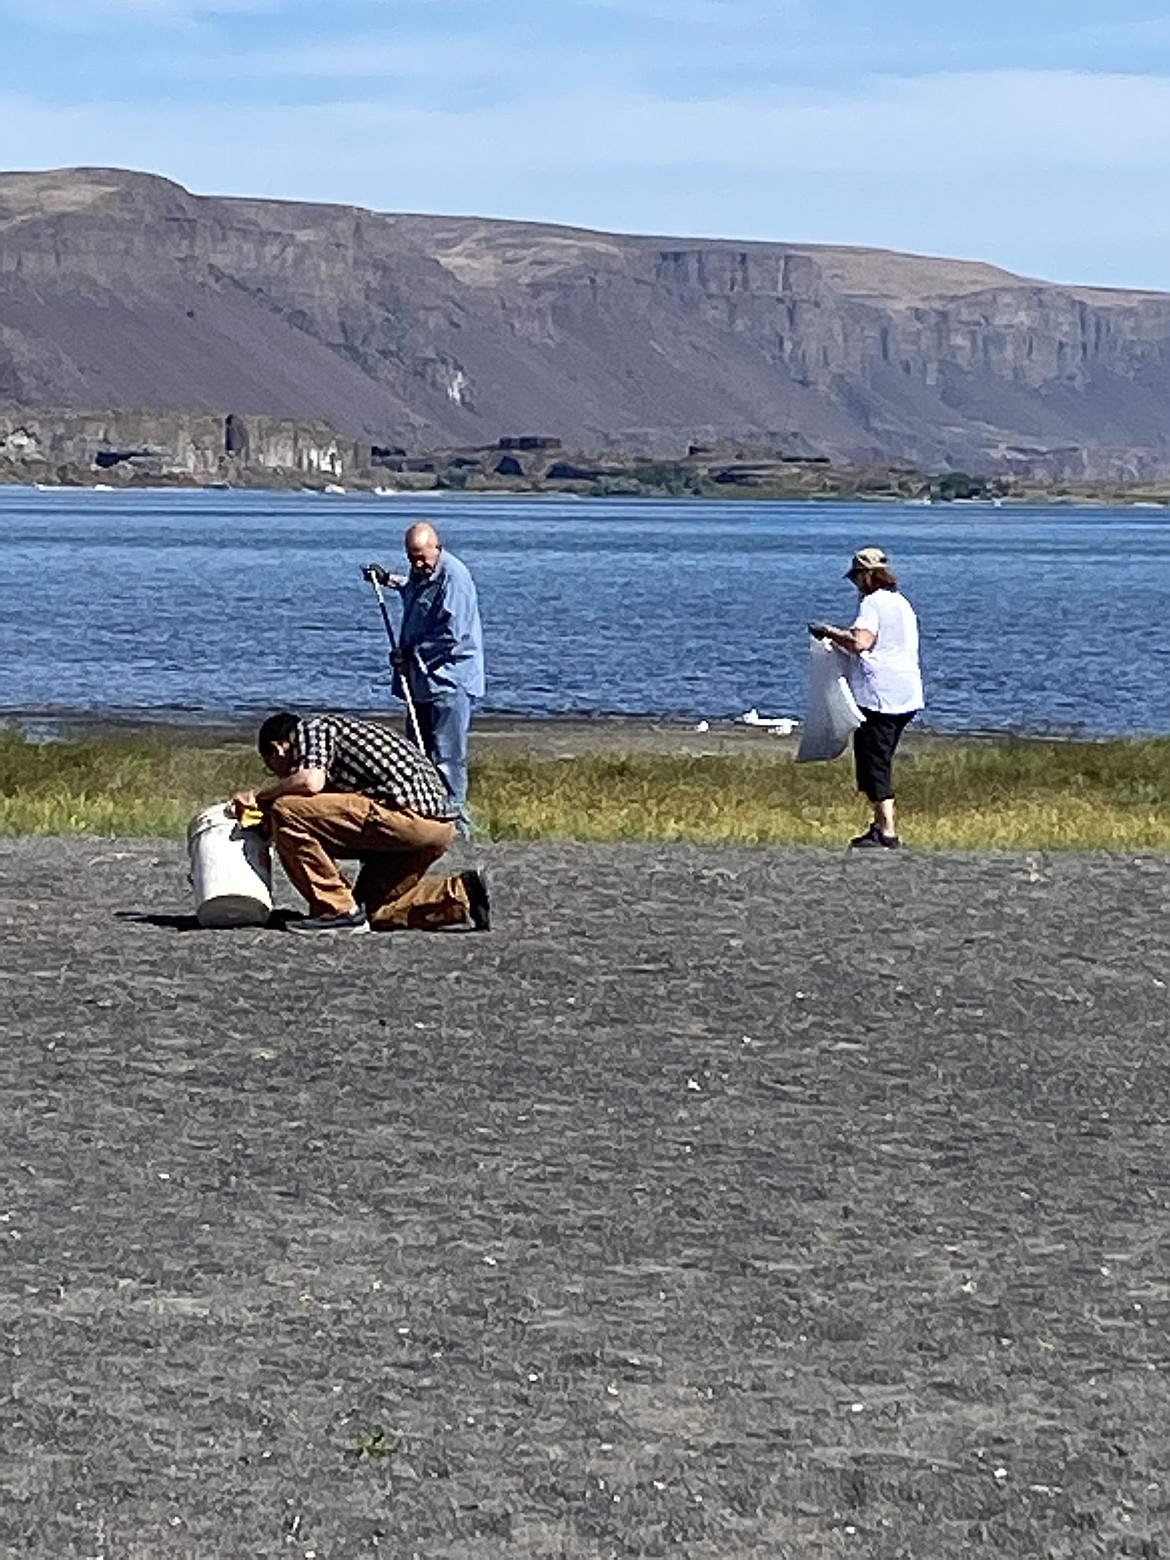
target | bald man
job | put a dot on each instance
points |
(440, 652)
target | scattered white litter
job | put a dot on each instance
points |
(778, 725)
(694, 1084)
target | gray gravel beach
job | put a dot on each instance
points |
(719, 1203)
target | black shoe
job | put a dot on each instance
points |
(353, 921)
(479, 903)
(874, 839)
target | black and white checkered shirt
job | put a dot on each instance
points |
(356, 755)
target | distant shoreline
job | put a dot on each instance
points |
(532, 736)
(1153, 495)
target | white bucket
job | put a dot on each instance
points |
(231, 870)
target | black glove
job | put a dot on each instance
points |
(820, 630)
(398, 659)
(376, 574)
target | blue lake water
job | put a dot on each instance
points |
(211, 604)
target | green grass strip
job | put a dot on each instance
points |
(954, 796)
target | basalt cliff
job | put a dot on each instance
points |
(122, 291)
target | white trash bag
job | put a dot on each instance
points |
(832, 715)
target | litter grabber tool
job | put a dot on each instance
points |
(374, 574)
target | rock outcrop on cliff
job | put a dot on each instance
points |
(123, 290)
(65, 444)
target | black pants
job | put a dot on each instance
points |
(874, 744)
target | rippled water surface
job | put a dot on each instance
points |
(216, 603)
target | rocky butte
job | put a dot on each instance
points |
(121, 292)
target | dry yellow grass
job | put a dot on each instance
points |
(976, 796)
(123, 786)
(1051, 796)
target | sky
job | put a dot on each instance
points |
(1031, 133)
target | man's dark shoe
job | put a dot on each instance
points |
(874, 839)
(479, 903)
(353, 921)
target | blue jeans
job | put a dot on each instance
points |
(444, 724)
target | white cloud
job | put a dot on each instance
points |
(987, 122)
(1031, 169)
(990, 121)
(1139, 33)
(433, 61)
(80, 15)
(699, 13)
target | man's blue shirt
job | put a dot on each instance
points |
(441, 632)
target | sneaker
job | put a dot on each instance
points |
(353, 921)
(874, 839)
(479, 903)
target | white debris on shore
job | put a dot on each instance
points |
(778, 725)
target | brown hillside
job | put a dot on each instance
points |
(122, 289)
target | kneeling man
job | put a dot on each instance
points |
(355, 789)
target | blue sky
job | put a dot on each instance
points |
(1033, 134)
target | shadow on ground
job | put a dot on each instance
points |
(277, 921)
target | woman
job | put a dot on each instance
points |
(885, 680)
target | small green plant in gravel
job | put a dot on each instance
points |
(376, 1443)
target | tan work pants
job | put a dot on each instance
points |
(395, 849)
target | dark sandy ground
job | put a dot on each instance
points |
(766, 1203)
